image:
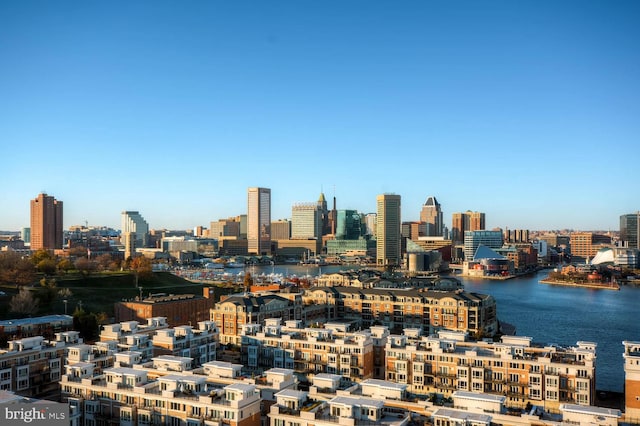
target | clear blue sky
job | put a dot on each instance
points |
(528, 111)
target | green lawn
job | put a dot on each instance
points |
(99, 292)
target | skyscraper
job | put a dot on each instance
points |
(133, 223)
(431, 214)
(259, 221)
(46, 223)
(476, 221)
(306, 221)
(349, 225)
(467, 221)
(324, 215)
(388, 224)
(630, 229)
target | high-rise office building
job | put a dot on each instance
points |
(280, 230)
(388, 224)
(225, 228)
(431, 214)
(630, 229)
(325, 216)
(349, 225)
(134, 223)
(333, 218)
(259, 221)
(476, 221)
(306, 221)
(474, 239)
(25, 235)
(370, 221)
(467, 221)
(414, 230)
(46, 223)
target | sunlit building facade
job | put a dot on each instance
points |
(46, 223)
(388, 225)
(259, 221)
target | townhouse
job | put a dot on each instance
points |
(32, 366)
(165, 392)
(523, 372)
(398, 309)
(307, 350)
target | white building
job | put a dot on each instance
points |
(133, 222)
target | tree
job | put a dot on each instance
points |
(47, 266)
(102, 318)
(85, 266)
(78, 251)
(248, 281)
(65, 265)
(41, 255)
(104, 261)
(15, 270)
(86, 323)
(8, 260)
(141, 267)
(47, 292)
(115, 265)
(24, 273)
(23, 302)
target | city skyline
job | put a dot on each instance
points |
(449, 225)
(526, 112)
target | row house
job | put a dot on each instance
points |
(398, 309)
(307, 350)
(524, 373)
(233, 312)
(348, 278)
(32, 366)
(463, 407)
(133, 336)
(198, 343)
(129, 397)
(100, 354)
(478, 409)
(297, 408)
(268, 383)
(130, 372)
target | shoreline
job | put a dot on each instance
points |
(603, 286)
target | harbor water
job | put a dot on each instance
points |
(548, 314)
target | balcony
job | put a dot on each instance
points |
(446, 386)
